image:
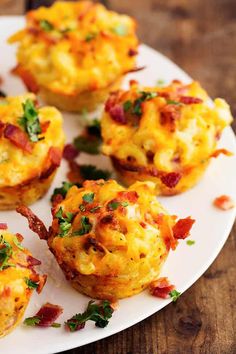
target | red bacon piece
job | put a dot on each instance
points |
(19, 237)
(224, 202)
(17, 137)
(171, 179)
(70, 152)
(169, 115)
(35, 224)
(44, 126)
(48, 314)
(131, 196)
(216, 153)
(52, 162)
(3, 226)
(190, 100)
(117, 114)
(42, 281)
(33, 261)
(161, 288)
(2, 126)
(132, 52)
(182, 228)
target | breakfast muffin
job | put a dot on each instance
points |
(74, 53)
(111, 242)
(31, 144)
(18, 279)
(166, 135)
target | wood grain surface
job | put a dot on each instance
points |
(200, 36)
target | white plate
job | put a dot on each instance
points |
(183, 267)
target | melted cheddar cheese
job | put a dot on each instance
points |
(150, 132)
(76, 46)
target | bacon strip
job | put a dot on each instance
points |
(35, 224)
(33, 261)
(70, 152)
(48, 314)
(52, 162)
(3, 226)
(161, 288)
(117, 114)
(17, 137)
(171, 179)
(182, 228)
(217, 152)
(224, 202)
(190, 100)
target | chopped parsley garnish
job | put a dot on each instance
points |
(160, 82)
(173, 102)
(56, 325)
(31, 284)
(64, 221)
(46, 25)
(30, 120)
(63, 189)
(190, 242)
(17, 243)
(86, 144)
(113, 205)
(32, 321)
(127, 105)
(88, 197)
(135, 107)
(90, 36)
(85, 227)
(174, 294)
(5, 253)
(93, 173)
(99, 313)
(121, 30)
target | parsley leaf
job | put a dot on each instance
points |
(46, 25)
(121, 29)
(87, 144)
(64, 221)
(88, 197)
(32, 321)
(145, 96)
(91, 172)
(174, 294)
(90, 36)
(64, 189)
(5, 253)
(190, 242)
(127, 105)
(30, 120)
(85, 227)
(95, 128)
(173, 102)
(31, 284)
(113, 205)
(99, 313)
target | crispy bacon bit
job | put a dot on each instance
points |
(182, 228)
(44, 126)
(42, 281)
(161, 288)
(107, 219)
(33, 261)
(70, 152)
(224, 202)
(217, 152)
(53, 161)
(131, 196)
(170, 113)
(3, 226)
(171, 179)
(35, 224)
(17, 137)
(132, 52)
(190, 100)
(2, 126)
(48, 314)
(19, 237)
(56, 199)
(143, 224)
(117, 114)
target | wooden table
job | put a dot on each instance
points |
(200, 36)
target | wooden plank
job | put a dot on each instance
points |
(12, 7)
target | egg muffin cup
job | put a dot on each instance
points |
(31, 144)
(111, 242)
(18, 279)
(74, 53)
(167, 135)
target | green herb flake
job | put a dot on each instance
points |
(173, 102)
(31, 284)
(95, 128)
(64, 221)
(87, 144)
(88, 197)
(63, 189)
(113, 205)
(32, 321)
(85, 227)
(98, 313)
(56, 325)
(90, 36)
(121, 29)
(145, 96)
(93, 173)
(30, 120)
(160, 83)
(17, 243)
(127, 105)
(174, 294)
(46, 25)
(5, 254)
(190, 242)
